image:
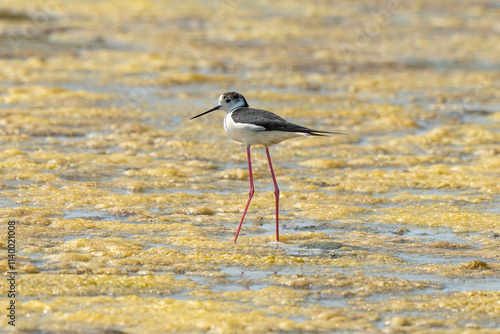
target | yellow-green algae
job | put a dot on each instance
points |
(125, 210)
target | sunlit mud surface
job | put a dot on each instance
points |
(126, 210)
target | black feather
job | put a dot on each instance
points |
(271, 122)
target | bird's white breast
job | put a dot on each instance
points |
(241, 132)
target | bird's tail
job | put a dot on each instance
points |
(324, 133)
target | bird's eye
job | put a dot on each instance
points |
(228, 100)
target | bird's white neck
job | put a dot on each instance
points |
(236, 106)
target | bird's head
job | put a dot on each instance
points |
(228, 102)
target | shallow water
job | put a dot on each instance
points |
(126, 210)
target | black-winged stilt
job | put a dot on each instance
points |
(257, 127)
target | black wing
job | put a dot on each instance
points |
(270, 121)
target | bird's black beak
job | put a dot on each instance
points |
(206, 112)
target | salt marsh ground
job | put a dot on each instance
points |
(126, 210)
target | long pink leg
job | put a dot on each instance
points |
(276, 195)
(250, 194)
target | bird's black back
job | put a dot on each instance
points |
(269, 121)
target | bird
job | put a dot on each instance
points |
(252, 126)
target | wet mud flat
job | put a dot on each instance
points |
(125, 210)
